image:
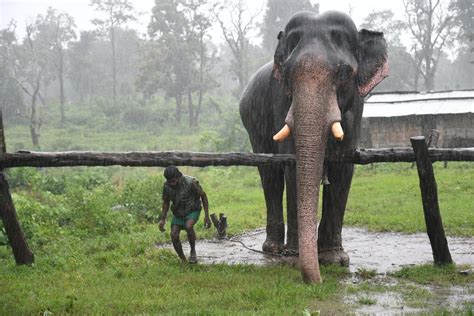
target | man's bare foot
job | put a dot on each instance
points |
(193, 258)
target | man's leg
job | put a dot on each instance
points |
(175, 229)
(192, 239)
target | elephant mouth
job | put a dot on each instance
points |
(336, 128)
(336, 131)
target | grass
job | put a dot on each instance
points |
(83, 270)
(96, 279)
(437, 275)
(386, 197)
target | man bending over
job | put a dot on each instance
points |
(186, 194)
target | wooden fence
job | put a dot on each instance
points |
(420, 153)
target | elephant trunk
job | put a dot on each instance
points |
(315, 109)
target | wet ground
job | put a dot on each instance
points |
(381, 252)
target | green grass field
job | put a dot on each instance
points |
(93, 232)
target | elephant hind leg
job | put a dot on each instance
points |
(273, 185)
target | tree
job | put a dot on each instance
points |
(81, 68)
(168, 64)
(200, 25)
(10, 95)
(28, 66)
(464, 17)
(277, 14)
(401, 62)
(432, 26)
(118, 12)
(57, 30)
(236, 35)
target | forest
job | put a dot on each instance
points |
(175, 77)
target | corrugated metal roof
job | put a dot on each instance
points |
(404, 104)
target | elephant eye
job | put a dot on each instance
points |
(293, 40)
(336, 37)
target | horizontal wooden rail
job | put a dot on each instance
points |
(197, 159)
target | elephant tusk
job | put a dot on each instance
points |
(282, 134)
(337, 131)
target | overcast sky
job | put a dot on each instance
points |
(27, 10)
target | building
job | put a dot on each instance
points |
(390, 119)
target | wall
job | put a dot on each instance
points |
(456, 130)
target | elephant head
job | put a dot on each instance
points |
(323, 63)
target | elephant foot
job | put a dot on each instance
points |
(290, 251)
(272, 246)
(335, 255)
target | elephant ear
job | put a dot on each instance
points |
(279, 57)
(373, 61)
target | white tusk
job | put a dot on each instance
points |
(282, 134)
(337, 131)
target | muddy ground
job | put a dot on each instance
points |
(383, 252)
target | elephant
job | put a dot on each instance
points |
(323, 68)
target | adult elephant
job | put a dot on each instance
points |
(322, 69)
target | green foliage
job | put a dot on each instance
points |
(55, 181)
(91, 212)
(434, 274)
(40, 221)
(142, 196)
(366, 273)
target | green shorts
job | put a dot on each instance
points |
(182, 221)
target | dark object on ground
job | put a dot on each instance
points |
(220, 224)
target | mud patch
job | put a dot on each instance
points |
(383, 252)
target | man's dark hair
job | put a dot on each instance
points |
(172, 172)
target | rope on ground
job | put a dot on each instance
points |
(284, 253)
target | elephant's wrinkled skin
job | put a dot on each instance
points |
(323, 67)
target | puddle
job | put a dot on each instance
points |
(383, 252)
(386, 252)
(386, 303)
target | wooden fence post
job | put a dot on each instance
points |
(16, 237)
(429, 196)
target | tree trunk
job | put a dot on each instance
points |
(114, 66)
(61, 87)
(192, 118)
(179, 102)
(34, 136)
(199, 105)
(34, 121)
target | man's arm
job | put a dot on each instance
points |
(205, 204)
(164, 211)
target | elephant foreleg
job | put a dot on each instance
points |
(273, 185)
(334, 205)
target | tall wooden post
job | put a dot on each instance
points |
(21, 251)
(429, 196)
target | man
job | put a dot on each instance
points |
(186, 194)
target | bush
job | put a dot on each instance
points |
(55, 181)
(143, 197)
(91, 211)
(38, 221)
